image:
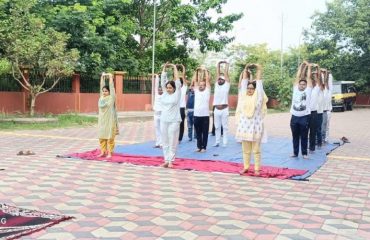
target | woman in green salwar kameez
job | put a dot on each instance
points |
(107, 122)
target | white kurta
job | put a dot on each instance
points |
(251, 129)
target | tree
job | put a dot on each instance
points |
(117, 34)
(37, 54)
(339, 39)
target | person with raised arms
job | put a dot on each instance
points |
(170, 116)
(300, 109)
(202, 91)
(221, 103)
(250, 114)
(107, 121)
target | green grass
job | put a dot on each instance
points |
(64, 121)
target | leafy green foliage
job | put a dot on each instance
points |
(118, 34)
(339, 40)
(33, 49)
(277, 86)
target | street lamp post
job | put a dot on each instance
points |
(153, 51)
(281, 47)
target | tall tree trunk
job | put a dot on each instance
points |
(32, 105)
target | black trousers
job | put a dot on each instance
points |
(299, 127)
(181, 132)
(313, 129)
(201, 125)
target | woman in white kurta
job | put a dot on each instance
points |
(107, 122)
(170, 116)
(250, 114)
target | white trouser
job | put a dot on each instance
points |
(327, 126)
(157, 127)
(221, 119)
(170, 139)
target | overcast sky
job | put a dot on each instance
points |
(262, 20)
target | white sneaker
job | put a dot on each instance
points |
(216, 145)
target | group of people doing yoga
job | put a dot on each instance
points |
(175, 98)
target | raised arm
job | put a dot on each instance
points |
(102, 83)
(208, 79)
(323, 77)
(258, 72)
(309, 75)
(177, 81)
(183, 73)
(175, 72)
(194, 79)
(164, 78)
(301, 72)
(218, 69)
(112, 90)
(227, 66)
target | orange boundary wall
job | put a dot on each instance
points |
(77, 102)
(56, 103)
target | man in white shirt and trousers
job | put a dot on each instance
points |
(202, 91)
(221, 103)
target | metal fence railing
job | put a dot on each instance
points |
(89, 83)
(137, 84)
(64, 85)
(9, 84)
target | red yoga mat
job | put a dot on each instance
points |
(191, 164)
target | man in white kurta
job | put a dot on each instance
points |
(221, 104)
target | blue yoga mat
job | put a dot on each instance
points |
(275, 153)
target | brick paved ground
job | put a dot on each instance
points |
(113, 201)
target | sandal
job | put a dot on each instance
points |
(244, 171)
(29, 153)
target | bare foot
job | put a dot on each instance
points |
(109, 155)
(165, 165)
(305, 157)
(203, 150)
(198, 150)
(101, 155)
(170, 165)
(243, 171)
(293, 156)
(256, 173)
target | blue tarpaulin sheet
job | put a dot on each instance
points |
(276, 153)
